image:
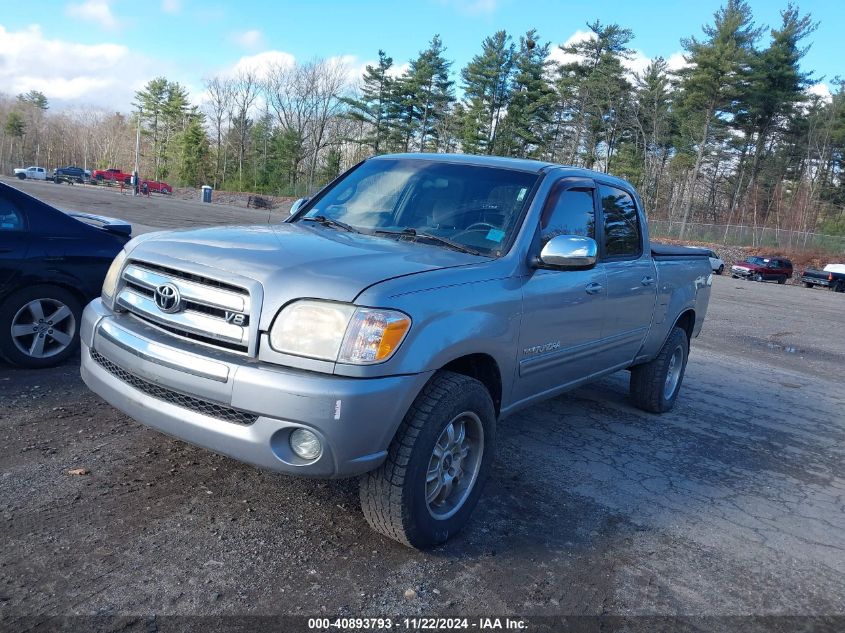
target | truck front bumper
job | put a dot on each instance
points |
(237, 406)
(816, 281)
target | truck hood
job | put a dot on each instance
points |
(293, 261)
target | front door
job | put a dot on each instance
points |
(562, 309)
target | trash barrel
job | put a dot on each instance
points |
(206, 193)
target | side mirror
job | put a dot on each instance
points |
(297, 205)
(568, 251)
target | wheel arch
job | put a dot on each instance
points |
(483, 368)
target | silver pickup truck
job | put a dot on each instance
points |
(389, 324)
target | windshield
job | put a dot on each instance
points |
(756, 260)
(467, 205)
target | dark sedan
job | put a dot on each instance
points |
(51, 264)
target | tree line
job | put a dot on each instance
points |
(732, 137)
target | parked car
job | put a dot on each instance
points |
(32, 173)
(51, 264)
(716, 262)
(777, 269)
(112, 175)
(831, 277)
(71, 174)
(387, 325)
(155, 186)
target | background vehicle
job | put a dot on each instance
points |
(51, 264)
(112, 174)
(763, 269)
(832, 277)
(32, 173)
(392, 320)
(156, 186)
(716, 262)
(71, 174)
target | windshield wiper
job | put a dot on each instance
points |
(321, 219)
(414, 234)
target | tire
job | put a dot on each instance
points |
(18, 311)
(757, 277)
(650, 382)
(782, 280)
(807, 284)
(395, 496)
(21, 176)
(839, 286)
(734, 276)
(720, 270)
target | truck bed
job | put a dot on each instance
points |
(673, 251)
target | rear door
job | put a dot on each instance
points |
(562, 309)
(631, 275)
(14, 243)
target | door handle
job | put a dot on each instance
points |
(594, 288)
(647, 281)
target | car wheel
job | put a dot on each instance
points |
(782, 280)
(21, 176)
(39, 326)
(436, 465)
(757, 278)
(655, 385)
(720, 270)
(839, 286)
(807, 284)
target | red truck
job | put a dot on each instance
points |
(112, 174)
(763, 269)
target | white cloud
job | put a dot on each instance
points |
(98, 11)
(260, 63)
(171, 6)
(558, 56)
(676, 62)
(821, 90)
(251, 39)
(105, 75)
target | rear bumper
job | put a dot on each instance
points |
(239, 407)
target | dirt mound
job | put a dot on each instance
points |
(233, 198)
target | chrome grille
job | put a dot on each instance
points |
(211, 311)
(205, 407)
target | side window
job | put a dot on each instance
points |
(621, 223)
(569, 212)
(10, 218)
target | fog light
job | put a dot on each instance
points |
(305, 444)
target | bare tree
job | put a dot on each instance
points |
(245, 90)
(220, 91)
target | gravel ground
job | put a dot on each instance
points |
(731, 505)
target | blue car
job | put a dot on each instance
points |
(51, 264)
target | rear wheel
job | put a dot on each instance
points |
(436, 465)
(655, 385)
(39, 326)
(839, 286)
(782, 280)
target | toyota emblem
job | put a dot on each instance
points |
(168, 299)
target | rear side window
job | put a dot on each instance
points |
(569, 212)
(10, 218)
(622, 236)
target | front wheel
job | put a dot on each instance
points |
(807, 284)
(21, 176)
(436, 465)
(39, 326)
(655, 385)
(720, 270)
(757, 278)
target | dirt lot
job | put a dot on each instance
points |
(733, 504)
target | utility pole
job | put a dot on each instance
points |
(135, 183)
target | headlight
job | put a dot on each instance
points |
(110, 282)
(338, 332)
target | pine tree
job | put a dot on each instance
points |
(487, 80)
(525, 128)
(428, 81)
(710, 85)
(373, 108)
(195, 166)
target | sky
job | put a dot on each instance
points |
(97, 53)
